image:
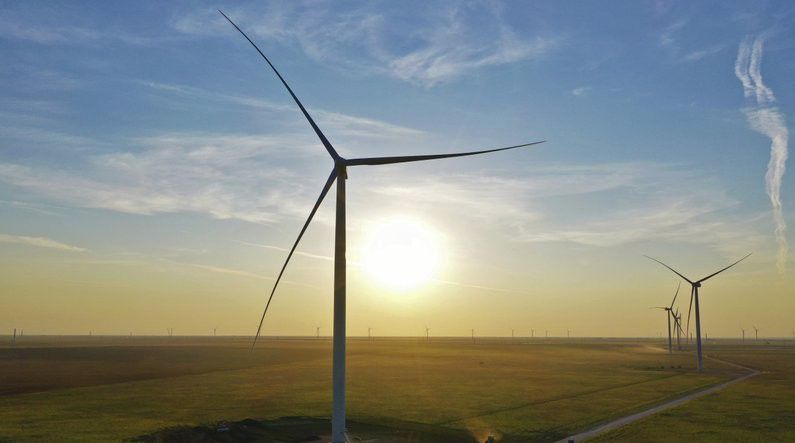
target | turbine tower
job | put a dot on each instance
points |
(694, 296)
(743, 329)
(427, 334)
(317, 333)
(369, 337)
(678, 323)
(668, 311)
(473, 336)
(339, 173)
(756, 333)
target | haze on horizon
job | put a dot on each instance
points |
(153, 172)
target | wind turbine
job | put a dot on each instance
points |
(473, 336)
(678, 323)
(317, 333)
(694, 295)
(532, 333)
(743, 329)
(756, 333)
(512, 335)
(369, 337)
(427, 335)
(668, 311)
(339, 174)
(568, 333)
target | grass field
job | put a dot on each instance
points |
(110, 389)
(759, 409)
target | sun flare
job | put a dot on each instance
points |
(401, 253)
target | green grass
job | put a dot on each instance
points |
(519, 391)
(759, 409)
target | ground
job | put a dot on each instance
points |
(121, 388)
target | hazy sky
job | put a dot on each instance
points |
(152, 170)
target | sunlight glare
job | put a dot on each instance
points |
(401, 254)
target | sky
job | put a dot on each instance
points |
(153, 171)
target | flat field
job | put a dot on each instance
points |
(117, 388)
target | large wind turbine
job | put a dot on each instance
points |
(694, 295)
(668, 311)
(339, 174)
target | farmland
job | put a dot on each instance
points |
(117, 388)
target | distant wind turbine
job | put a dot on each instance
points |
(339, 174)
(369, 337)
(427, 334)
(694, 296)
(668, 311)
(743, 329)
(532, 333)
(568, 333)
(678, 324)
(756, 333)
(473, 336)
(317, 332)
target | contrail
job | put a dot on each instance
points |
(765, 118)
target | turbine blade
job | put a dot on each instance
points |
(672, 269)
(312, 123)
(692, 291)
(323, 193)
(419, 158)
(677, 293)
(727, 267)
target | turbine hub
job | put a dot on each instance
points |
(697, 285)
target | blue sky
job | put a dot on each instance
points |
(145, 147)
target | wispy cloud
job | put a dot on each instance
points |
(449, 40)
(581, 91)
(333, 122)
(39, 242)
(47, 28)
(697, 55)
(669, 41)
(175, 173)
(765, 118)
(17, 29)
(650, 201)
(229, 271)
(278, 248)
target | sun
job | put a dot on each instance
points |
(401, 253)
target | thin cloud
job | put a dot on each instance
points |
(278, 248)
(446, 43)
(582, 91)
(697, 55)
(766, 119)
(39, 242)
(333, 122)
(651, 201)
